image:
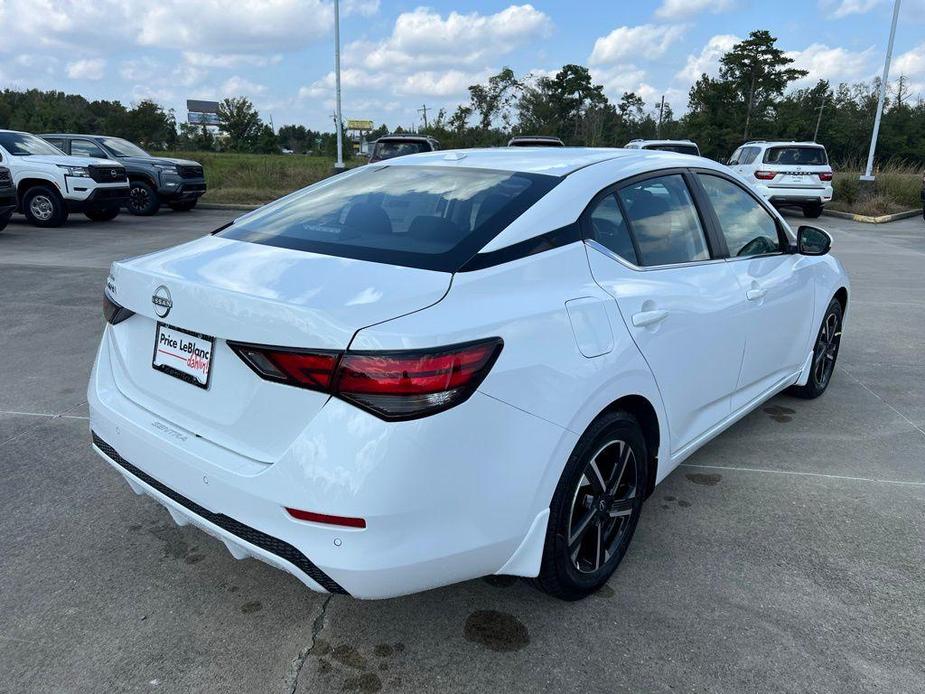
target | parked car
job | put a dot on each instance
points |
(458, 364)
(923, 195)
(50, 184)
(7, 197)
(678, 146)
(178, 183)
(787, 173)
(391, 146)
(535, 141)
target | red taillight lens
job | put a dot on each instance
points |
(765, 175)
(404, 385)
(825, 176)
(392, 385)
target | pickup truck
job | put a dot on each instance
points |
(178, 183)
(49, 184)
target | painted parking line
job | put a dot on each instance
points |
(803, 474)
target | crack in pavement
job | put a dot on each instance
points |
(295, 667)
(61, 415)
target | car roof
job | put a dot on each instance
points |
(69, 135)
(664, 142)
(553, 161)
(405, 137)
(782, 143)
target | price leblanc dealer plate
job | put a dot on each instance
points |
(183, 354)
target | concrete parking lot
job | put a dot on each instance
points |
(787, 555)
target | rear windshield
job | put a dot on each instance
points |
(680, 149)
(809, 156)
(434, 218)
(390, 150)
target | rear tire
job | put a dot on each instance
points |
(43, 207)
(183, 205)
(103, 214)
(825, 352)
(812, 211)
(143, 200)
(5, 219)
(595, 508)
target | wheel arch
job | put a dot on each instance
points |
(841, 294)
(26, 184)
(143, 178)
(644, 411)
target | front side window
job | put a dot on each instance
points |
(796, 155)
(85, 148)
(609, 229)
(24, 144)
(746, 225)
(664, 221)
(434, 218)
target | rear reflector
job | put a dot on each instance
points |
(825, 176)
(392, 385)
(325, 518)
(765, 175)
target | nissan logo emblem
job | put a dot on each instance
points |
(114, 173)
(162, 301)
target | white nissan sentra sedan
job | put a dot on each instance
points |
(460, 363)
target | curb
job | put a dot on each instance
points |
(883, 219)
(225, 206)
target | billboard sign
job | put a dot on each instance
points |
(199, 106)
(353, 124)
(195, 118)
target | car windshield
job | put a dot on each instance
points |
(24, 144)
(390, 150)
(680, 149)
(809, 156)
(123, 148)
(434, 218)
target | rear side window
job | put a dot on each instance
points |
(749, 154)
(664, 221)
(746, 225)
(806, 156)
(609, 229)
(428, 217)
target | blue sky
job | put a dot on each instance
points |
(399, 55)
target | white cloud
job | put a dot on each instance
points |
(423, 38)
(364, 8)
(229, 60)
(911, 63)
(845, 8)
(707, 61)
(834, 64)
(617, 79)
(86, 69)
(239, 86)
(681, 9)
(631, 43)
(140, 70)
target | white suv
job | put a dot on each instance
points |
(787, 173)
(50, 184)
(678, 146)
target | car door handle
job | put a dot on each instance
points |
(755, 294)
(644, 318)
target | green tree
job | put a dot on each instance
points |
(240, 122)
(759, 72)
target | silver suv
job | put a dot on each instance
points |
(787, 173)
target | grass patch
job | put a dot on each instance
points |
(898, 188)
(257, 178)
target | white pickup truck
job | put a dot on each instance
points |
(49, 184)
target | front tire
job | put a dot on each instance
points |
(104, 214)
(43, 207)
(825, 352)
(143, 200)
(812, 211)
(595, 508)
(183, 205)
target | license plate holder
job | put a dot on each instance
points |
(183, 354)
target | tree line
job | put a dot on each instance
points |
(751, 97)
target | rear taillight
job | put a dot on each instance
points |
(825, 176)
(765, 175)
(113, 312)
(396, 385)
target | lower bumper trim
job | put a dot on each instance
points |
(260, 539)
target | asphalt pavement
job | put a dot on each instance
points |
(786, 555)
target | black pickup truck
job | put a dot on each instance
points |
(7, 197)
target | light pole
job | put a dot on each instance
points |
(883, 82)
(339, 125)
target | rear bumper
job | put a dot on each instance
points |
(446, 499)
(99, 197)
(796, 196)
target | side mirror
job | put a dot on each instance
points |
(813, 241)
